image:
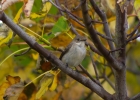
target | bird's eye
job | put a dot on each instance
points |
(78, 39)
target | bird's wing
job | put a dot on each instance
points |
(65, 51)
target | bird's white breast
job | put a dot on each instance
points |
(75, 55)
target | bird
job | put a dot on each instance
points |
(75, 52)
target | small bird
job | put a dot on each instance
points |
(75, 52)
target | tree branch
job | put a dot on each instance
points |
(93, 33)
(94, 65)
(134, 31)
(133, 38)
(53, 59)
(120, 32)
(105, 37)
(102, 15)
(84, 70)
(72, 16)
(136, 97)
(134, 71)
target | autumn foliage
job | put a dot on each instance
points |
(34, 33)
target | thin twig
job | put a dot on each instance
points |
(136, 97)
(23, 53)
(56, 5)
(134, 31)
(71, 26)
(115, 50)
(133, 38)
(69, 12)
(136, 72)
(88, 96)
(74, 30)
(109, 82)
(93, 48)
(105, 37)
(132, 34)
(93, 21)
(94, 65)
(77, 6)
(84, 70)
(109, 75)
(75, 19)
(72, 16)
(103, 17)
(107, 79)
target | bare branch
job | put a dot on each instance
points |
(116, 50)
(102, 15)
(88, 96)
(105, 37)
(132, 34)
(109, 75)
(23, 52)
(73, 30)
(72, 16)
(120, 32)
(94, 65)
(93, 33)
(133, 38)
(84, 70)
(53, 59)
(136, 97)
(93, 48)
(109, 82)
(77, 6)
(134, 31)
(136, 72)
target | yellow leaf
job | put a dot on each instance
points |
(5, 33)
(50, 79)
(3, 88)
(35, 56)
(54, 84)
(10, 81)
(137, 7)
(35, 15)
(13, 80)
(18, 15)
(55, 80)
(44, 84)
(5, 39)
(47, 6)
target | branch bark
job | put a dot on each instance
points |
(120, 32)
(102, 15)
(93, 33)
(53, 59)
(136, 97)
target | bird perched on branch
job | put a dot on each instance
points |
(75, 52)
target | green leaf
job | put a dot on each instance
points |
(53, 10)
(37, 6)
(60, 26)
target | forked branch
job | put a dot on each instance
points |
(53, 59)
